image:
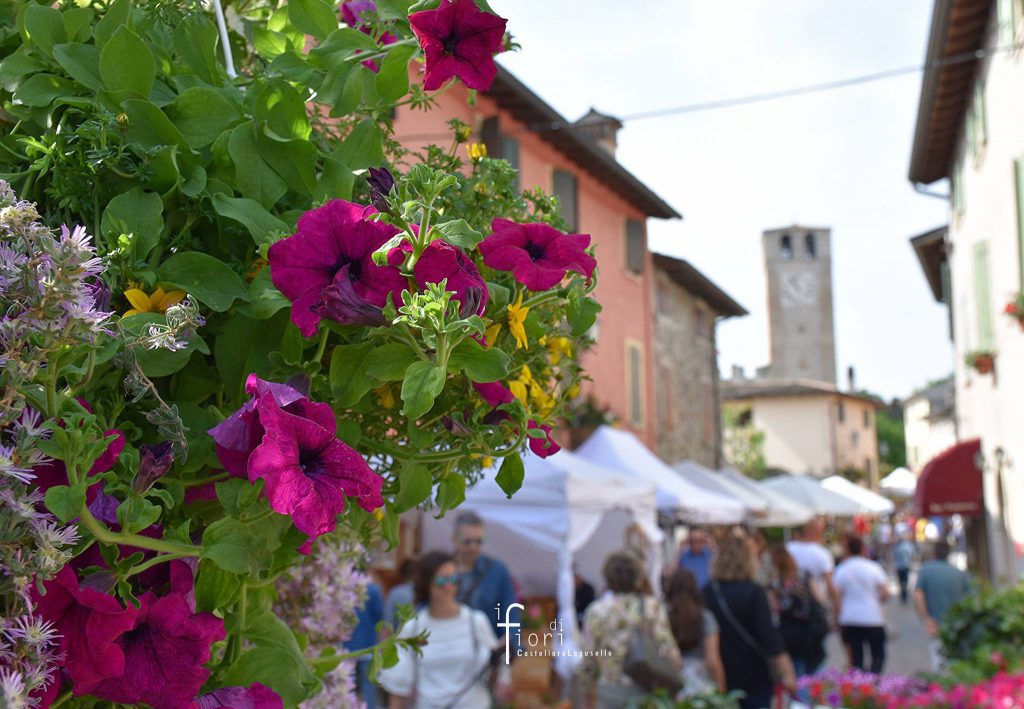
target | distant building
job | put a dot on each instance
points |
(688, 307)
(929, 423)
(598, 196)
(809, 427)
(969, 132)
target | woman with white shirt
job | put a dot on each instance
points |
(862, 587)
(450, 674)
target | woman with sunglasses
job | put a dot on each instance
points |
(450, 674)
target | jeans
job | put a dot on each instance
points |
(760, 698)
(855, 636)
(365, 689)
(904, 577)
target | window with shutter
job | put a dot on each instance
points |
(982, 297)
(564, 187)
(1018, 166)
(510, 152)
(635, 246)
(1007, 17)
(635, 383)
(957, 188)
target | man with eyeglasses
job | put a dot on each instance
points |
(484, 582)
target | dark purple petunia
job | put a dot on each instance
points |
(255, 696)
(381, 183)
(538, 255)
(458, 39)
(308, 472)
(543, 447)
(164, 654)
(155, 459)
(89, 623)
(327, 240)
(238, 435)
(340, 303)
(441, 260)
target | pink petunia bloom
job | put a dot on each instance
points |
(333, 241)
(355, 14)
(164, 653)
(308, 472)
(496, 394)
(543, 447)
(89, 623)
(239, 434)
(538, 255)
(255, 696)
(458, 39)
(441, 260)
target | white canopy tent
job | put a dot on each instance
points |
(899, 483)
(627, 455)
(782, 511)
(754, 502)
(568, 512)
(808, 492)
(870, 501)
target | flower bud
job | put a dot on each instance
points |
(155, 460)
(381, 182)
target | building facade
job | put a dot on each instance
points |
(687, 308)
(969, 133)
(597, 197)
(929, 423)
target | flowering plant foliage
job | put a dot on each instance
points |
(854, 689)
(287, 328)
(984, 361)
(1014, 309)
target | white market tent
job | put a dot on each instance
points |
(782, 511)
(568, 512)
(754, 502)
(627, 455)
(808, 492)
(870, 501)
(899, 483)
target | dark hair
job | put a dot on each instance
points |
(782, 560)
(426, 570)
(941, 550)
(623, 572)
(406, 569)
(685, 609)
(855, 545)
(468, 519)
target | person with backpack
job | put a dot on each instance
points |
(795, 606)
(451, 673)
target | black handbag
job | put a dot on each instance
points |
(647, 667)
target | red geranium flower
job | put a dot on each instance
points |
(459, 40)
(538, 255)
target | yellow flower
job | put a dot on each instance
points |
(491, 334)
(477, 151)
(573, 391)
(379, 513)
(385, 397)
(158, 302)
(516, 319)
(254, 270)
(559, 347)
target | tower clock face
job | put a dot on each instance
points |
(798, 289)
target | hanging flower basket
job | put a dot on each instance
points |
(983, 361)
(1015, 309)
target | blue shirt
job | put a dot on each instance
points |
(401, 595)
(943, 585)
(372, 612)
(697, 564)
(903, 554)
(486, 586)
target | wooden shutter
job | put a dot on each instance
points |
(635, 247)
(564, 187)
(982, 297)
(1018, 167)
(490, 136)
(635, 383)
(510, 152)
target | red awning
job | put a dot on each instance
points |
(951, 483)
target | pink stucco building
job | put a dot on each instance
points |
(599, 197)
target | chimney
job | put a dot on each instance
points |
(600, 128)
(737, 373)
(851, 378)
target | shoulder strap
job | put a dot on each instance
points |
(478, 676)
(737, 626)
(467, 596)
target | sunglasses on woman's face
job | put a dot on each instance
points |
(442, 581)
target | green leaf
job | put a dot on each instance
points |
(44, 27)
(363, 147)
(17, 65)
(349, 380)
(336, 181)
(136, 513)
(451, 492)
(65, 502)
(480, 364)
(458, 232)
(393, 77)
(340, 45)
(270, 44)
(390, 361)
(237, 547)
(126, 64)
(150, 126)
(293, 67)
(209, 280)
(78, 23)
(43, 90)
(237, 496)
(393, 9)
(342, 88)
(280, 107)
(423, 382)
(313, 17)
(276, 660)
(195, 41)
(264, 298)
(254, 177)
(582, 316)
(215, 587)
(201, 114)
(231, 351)
(134, 212)
(510, 475)
(414, 486)
(117, 15)
(262, 225)
(293, 160)
(81, 62)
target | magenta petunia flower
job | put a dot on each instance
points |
(255, 696)
(441, 260)
(458, 39)
(89, 623)
(308, 472)
(538, 255)
(164, 654)
(238, 435)
(357, 14)
(494, 393)
(329, 239)
(543, 447)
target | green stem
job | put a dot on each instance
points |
(542, 298)
(328, 660)
(51, 386)
(89, 370)
(322, 347)
(107, 537)
(162, 558)
(411, 339)
(420, 456)
(62, 698)
(203, 481)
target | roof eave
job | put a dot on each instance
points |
(687, 276)
(929, 248)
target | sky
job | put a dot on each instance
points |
(836, 159)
